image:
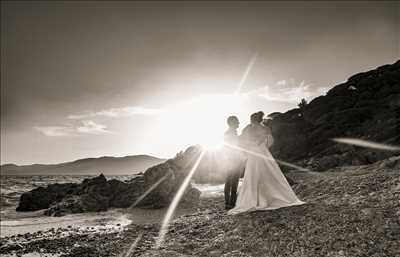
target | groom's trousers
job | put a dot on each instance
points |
(230, 189)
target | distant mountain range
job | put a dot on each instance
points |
(89, 166)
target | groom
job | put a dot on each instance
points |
(234, 165)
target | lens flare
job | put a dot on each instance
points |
(246, 73)
(175, 202)
(213, 147)
(132, 247)
(366, 144)
(148, 191)
(268, 158)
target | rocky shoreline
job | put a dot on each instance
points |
(154, 188)
(350, 211)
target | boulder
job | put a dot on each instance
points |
(42, 197)
(70, 204)
(171, 175)
(123, 194)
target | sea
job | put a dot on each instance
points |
(14, 223)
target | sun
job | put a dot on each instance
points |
(212, 146)
(200, 120)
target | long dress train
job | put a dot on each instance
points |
(264, 186)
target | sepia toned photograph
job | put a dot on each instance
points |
(200, 128)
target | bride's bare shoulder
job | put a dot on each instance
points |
(267, 129)
(246, 129)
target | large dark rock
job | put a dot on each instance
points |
(91, 195)
(123, 194)
(41, 198)
(157, 184)
(366, 107)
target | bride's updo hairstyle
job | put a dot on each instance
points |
(257, 117)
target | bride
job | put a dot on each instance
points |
(264, 186)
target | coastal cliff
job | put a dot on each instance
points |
(366, 106)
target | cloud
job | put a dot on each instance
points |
(85, 127)
(288, 91)
(118, 112)
(91, 127)
(56, 131)
(281, 82)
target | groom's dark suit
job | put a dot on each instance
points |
(234, 168)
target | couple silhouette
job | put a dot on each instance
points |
(264, 186)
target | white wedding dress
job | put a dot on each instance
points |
(264, 186)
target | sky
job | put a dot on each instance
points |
(90, 79)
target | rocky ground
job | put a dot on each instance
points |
(350, 211)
